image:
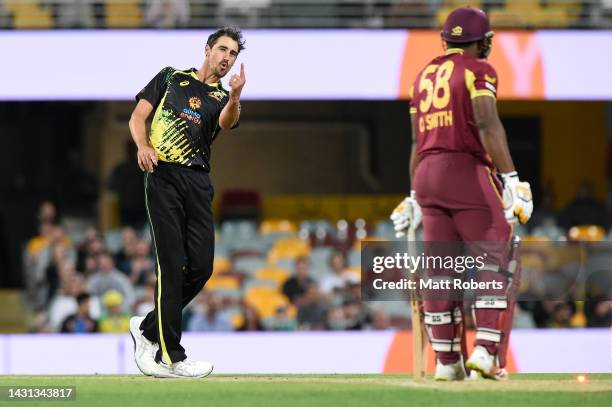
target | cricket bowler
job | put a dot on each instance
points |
(459, 148)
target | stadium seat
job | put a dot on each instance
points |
(552, 232)
(274, 274)
(240, 204)
(590, 233)
(249, 265)
(284, 226)
(30, 14)
(265, 300)
(384, 230)
(223, 283)
(123, 14)
(221, 264)
(319, 258)
(354, 258)
(450, 5)
(288, 249)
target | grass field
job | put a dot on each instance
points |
(322, 390)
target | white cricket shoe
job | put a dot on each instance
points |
(144, 349)
(484, 363)
(185, 369)
(447, 373)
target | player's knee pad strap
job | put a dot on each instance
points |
(446, 345)
(443, 318)
(486, 302)
(487, 334)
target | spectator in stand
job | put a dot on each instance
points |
(208, 315)
(336, 320)
(107, 278)
(47, 213)
(312, 309)
(81, 321)
(62, 256)
(167, 13)
(115, 321)
(65, 301)
(38, 261)
(380, 320)
(585, 209)
(282, 320)
(340, 278)
(141, 264)
(128, 249)
(146, 301)
(353, 315)
(598, 313)
(251, 321)
(297, 285)
(562, 314)
(127, 182)
(91, 234)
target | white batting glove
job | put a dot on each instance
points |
(518, 201)
(406, 214)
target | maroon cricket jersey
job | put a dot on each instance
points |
(442, 103)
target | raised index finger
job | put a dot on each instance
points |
(242, 71)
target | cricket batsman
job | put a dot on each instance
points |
(459, 148)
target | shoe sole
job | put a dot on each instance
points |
(175, 376)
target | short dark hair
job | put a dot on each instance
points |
(461, 45)
(82, 297)
(233, 32)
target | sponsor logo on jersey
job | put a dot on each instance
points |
(184, 83)
(217, 95)
(195, 102)
(491, 87)
(457, 31)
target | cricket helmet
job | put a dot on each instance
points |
(466, 24)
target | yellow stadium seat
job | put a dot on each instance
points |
(30, 14)
(221, 264)
(288, 249)
(223, 283)
(123, 14)
(356, 271)
(266, 300)
(277, 226)
(589, 233)
(450, 5)
(277, 275)
(237, 320)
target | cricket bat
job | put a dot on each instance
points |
(418, 344)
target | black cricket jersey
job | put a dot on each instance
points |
(186, 119)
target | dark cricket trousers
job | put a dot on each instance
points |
(461, 201)
(178, 201)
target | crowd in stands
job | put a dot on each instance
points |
(289, 13)
(283, 276)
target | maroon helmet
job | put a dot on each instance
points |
(466, 24)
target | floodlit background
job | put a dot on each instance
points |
(319, 161)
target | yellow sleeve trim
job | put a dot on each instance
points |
(413, 110)
(470, 78)
(482, 92)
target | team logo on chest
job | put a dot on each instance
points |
(195, 102)
(191, 113)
